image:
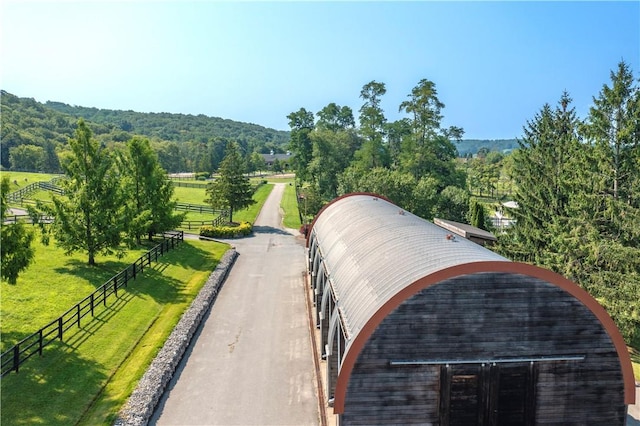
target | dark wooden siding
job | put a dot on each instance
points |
(488, 316)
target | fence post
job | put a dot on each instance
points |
(104, 294)
(16, 357)
(115, 285)
(78, 311)
(92, 301)
(60, 328)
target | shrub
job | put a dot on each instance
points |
(227, 231)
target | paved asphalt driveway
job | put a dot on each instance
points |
(251, 363)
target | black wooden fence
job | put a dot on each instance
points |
(196, 224)
(25, 218)
(19, 195)
(34, 344)
(196, 208)
(189, 184)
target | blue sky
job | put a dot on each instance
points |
(494, 63)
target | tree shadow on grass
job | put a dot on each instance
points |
(53, 389)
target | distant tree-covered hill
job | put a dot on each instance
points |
(176, 127)
(34, 134)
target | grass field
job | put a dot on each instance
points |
(19, 180)
(289, 206)
(87, 377)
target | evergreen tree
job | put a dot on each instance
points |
(16, 252)
(613, 126)
(232, 189)
(477, 215)
(90, 217)
(543, 167)
(604, 246)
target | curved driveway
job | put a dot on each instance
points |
(251, 363)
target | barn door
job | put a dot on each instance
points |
(490, 394)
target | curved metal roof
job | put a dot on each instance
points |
(372, 250)
(378, 255)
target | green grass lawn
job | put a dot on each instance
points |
(88, 377)
(289, 205)
(190, 195)
(19, 180)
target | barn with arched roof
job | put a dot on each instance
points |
(419, 326)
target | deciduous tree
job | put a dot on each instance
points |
(301, 124)
(90, 217)
(16, 252)
(374, 152)
(149, 192)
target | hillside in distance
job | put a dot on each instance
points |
(40, 130)
(176, 127)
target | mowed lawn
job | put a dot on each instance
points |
(86, 377)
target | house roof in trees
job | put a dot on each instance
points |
(270, 158)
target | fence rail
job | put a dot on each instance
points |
(197, 208)
(25, 218)
(12, 359)
(188, 184)
(19, 195)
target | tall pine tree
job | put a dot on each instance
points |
(543, 168)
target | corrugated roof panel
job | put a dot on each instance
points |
(373, 249)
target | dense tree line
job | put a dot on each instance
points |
(578, 195)
(410, 161)
(576, 181)
(35, 135)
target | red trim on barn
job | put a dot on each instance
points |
(587, 300)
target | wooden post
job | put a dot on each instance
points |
(104, 295)
(16, 357)
(78, 314)
(40, 342)
(91, 301)
(115, 285)
(60, 328)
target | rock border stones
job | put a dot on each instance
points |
(141, 404)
